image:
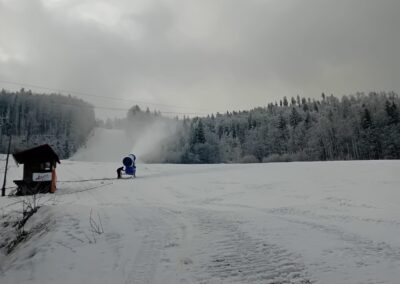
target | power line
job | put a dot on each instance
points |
(126, 109)
(94, 96)
(89, 106)
(163, 112)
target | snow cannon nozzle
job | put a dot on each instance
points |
(129, 161)
(130, 167)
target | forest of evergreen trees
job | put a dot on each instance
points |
(296, 129)
(355, 127)
(64, 122)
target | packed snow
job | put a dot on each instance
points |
(320, 222)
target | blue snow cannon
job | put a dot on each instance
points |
(129, 163)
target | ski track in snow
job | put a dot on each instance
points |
(276, 223)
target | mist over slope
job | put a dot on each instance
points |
(111, 145)
(104, 145)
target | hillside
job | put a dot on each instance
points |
(33, 119)
(355, 127)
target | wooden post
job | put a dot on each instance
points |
(3, 189)
(53, 186)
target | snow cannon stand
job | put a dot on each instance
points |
(130, 167)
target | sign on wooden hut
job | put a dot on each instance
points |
(39, 170)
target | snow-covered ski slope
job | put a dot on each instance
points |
(323, 222)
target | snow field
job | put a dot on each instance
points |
(322, 222)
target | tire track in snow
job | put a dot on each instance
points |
(146, 260)
(354, 244)
(156, 234)
(357, 245)
(234, 256)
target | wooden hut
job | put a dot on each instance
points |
(39, 170)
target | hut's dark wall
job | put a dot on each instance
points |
(30, 168)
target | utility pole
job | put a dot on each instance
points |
(3, 189)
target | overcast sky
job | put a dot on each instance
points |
(204, 55)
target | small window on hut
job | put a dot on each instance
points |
(47, 166)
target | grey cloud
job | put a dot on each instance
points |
(210, 55)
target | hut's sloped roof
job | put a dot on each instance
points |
(39, 154)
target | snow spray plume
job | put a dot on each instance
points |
(150, 135)
(104, 145)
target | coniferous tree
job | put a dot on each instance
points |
(200, 137)
(294, 118)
